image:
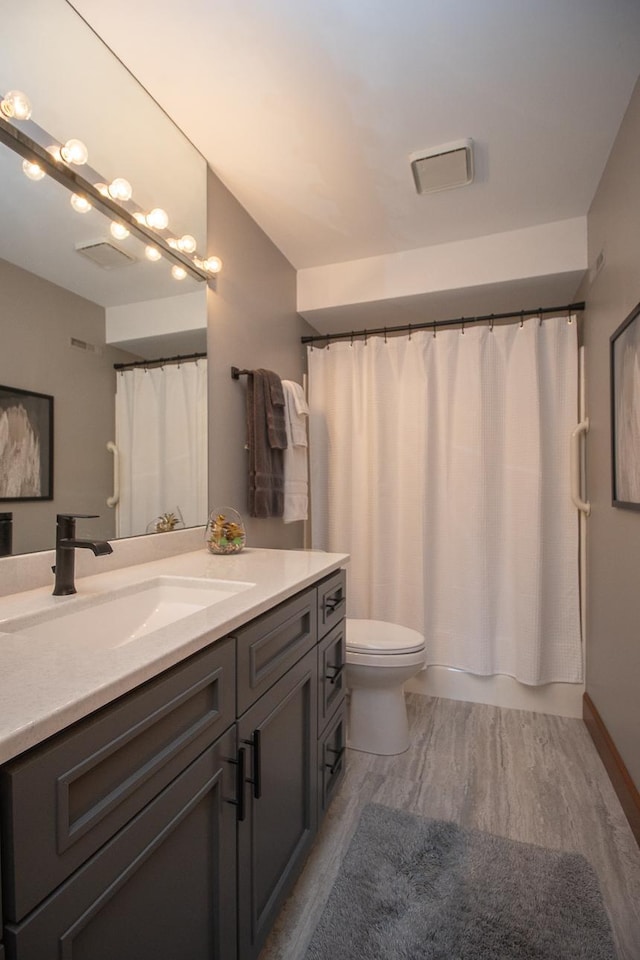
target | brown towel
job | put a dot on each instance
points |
(267, 440)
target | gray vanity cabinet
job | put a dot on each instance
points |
(162, 887)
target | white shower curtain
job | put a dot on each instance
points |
(441, 464)
(161, 435)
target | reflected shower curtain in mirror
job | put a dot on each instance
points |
(161, 434)
(441, 464)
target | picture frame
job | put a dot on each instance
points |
(625, 412)
(26, 445)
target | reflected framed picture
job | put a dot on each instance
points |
(26, 445)
(625, 412)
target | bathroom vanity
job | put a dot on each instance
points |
(172, 820)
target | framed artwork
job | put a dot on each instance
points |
(625, 412)
(26, 445)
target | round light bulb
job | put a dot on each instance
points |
(173, 243)
(74, 151)
(80, 204)
(32, 170)
(102, 188)
(212, 264)
(152, 253)
(140, 217)
(178, 273)
(120, 189)
(157, 219)
(16, 105)
(187, 243)
(118, 230)
(54, 150)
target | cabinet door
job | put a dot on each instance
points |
(332, 601)
(331, 758)
(332, 658)
(280, 822)
(163, 887)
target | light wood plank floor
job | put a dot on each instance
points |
(522, 775)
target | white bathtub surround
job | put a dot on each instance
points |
(48, 685)
(442, 465)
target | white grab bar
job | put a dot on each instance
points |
(583, 505)
(115, 499)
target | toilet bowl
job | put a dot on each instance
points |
(380, 658)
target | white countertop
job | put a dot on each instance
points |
(45, 687)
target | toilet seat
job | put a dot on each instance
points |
(379, 639)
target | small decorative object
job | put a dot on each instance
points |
(166, 522)
(225, 531)
(625, 412)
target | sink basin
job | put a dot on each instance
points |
(114, 619)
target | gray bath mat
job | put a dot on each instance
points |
(416, 889)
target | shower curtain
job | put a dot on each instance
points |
(441, 464)
(161, 435)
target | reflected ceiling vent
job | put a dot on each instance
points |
(105, 254)
(443, 168)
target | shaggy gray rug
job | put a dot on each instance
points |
(416, 889)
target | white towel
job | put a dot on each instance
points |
(296, 473)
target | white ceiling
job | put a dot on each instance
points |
(309, 111)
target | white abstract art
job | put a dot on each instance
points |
(625, 383)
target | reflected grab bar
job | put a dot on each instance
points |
(583, 505)
(115, 499)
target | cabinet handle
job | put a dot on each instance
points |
(256, 757)
(332, 603)
(240, 776)
(332, 767)
(333, 677)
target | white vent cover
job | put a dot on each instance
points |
(442, 168)
(105, 254)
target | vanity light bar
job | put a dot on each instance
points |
(32, 152)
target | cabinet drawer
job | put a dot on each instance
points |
(153, 891)
(332, 601)
(332, 758)
(65, 799)
(331, 673)
(272, 643)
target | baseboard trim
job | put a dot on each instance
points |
(620, 777)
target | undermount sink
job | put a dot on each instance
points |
(114, 619)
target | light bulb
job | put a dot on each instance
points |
(54, 150)
(212, 265)
(187, 243)
(118, 230)
(178, 273)
(74, 151)
(32, 170)
(120, 189)
(80, 204)
(102, 188)
(16, 105)
(157, 219)
(152, 253)
(139, 217)
(173, 243)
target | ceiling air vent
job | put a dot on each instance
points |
(442, 168)
(105, 254)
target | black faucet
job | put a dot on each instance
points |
(6, 534)
(66, 543)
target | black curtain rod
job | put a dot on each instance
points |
(457, 321)
(161, 361)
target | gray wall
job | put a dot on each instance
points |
(252, 322)
(613, 549)
(37, 320)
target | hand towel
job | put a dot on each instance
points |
(296, 473)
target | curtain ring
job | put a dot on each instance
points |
(409, 333)
(365, 338)
(352, 338)
(491, 323)
(434, 329)
(540, 316)
(385, 334)
(462, 329)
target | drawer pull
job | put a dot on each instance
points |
(240, 778)
(256, 754)
(333, 677)
(332, 603)
(332, 767)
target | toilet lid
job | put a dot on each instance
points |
(375, 636)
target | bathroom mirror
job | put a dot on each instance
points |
(73, 300)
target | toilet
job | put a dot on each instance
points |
(380, 658)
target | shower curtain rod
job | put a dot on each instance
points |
(161, 361)
(433, 324)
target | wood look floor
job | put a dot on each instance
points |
(522, 775)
